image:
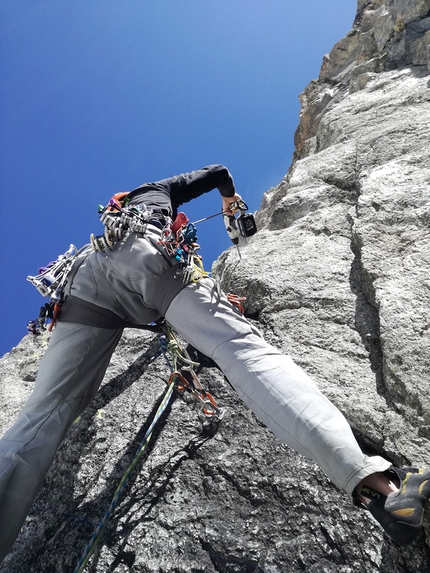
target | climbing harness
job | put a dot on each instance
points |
(182, 378)
(178, 240)
(120, 221)
(179, 237)
(51, 281)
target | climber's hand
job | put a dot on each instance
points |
(227, 202)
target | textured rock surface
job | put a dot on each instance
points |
(338, 277)
(203, 500)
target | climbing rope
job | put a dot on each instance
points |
(182, 378)
(124, 481)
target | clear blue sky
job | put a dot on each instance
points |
(99, 96)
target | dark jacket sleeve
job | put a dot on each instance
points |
(188, 186)
(168, 194)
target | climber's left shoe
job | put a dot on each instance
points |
(401, 513)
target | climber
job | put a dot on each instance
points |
(132, 278)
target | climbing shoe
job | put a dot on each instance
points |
(401, 513)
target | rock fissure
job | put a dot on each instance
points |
(230, 563)
(367, 321)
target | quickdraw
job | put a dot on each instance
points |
(51, 281)
(178, 237)
(237, 301)
(185, 379)
(179, 241)
(119, 222)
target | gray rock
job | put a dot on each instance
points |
(339, 272)
(338, 277)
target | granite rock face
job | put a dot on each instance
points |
(338, 277)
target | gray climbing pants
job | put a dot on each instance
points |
(279, 392)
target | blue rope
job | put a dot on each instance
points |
(167, 343)
(120, 489)
(162, 339)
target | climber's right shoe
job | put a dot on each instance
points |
(401, 513)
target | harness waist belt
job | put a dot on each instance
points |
(82, 312)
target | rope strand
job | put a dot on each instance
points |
(83, 561)
(168, 342)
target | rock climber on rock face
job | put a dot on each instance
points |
(127, 277)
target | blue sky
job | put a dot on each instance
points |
(99, 96)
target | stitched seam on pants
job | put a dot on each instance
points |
(293, 439)
(258, 407)
(64, 391)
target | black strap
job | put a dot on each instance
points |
(82, 312)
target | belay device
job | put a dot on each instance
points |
(244, 225)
